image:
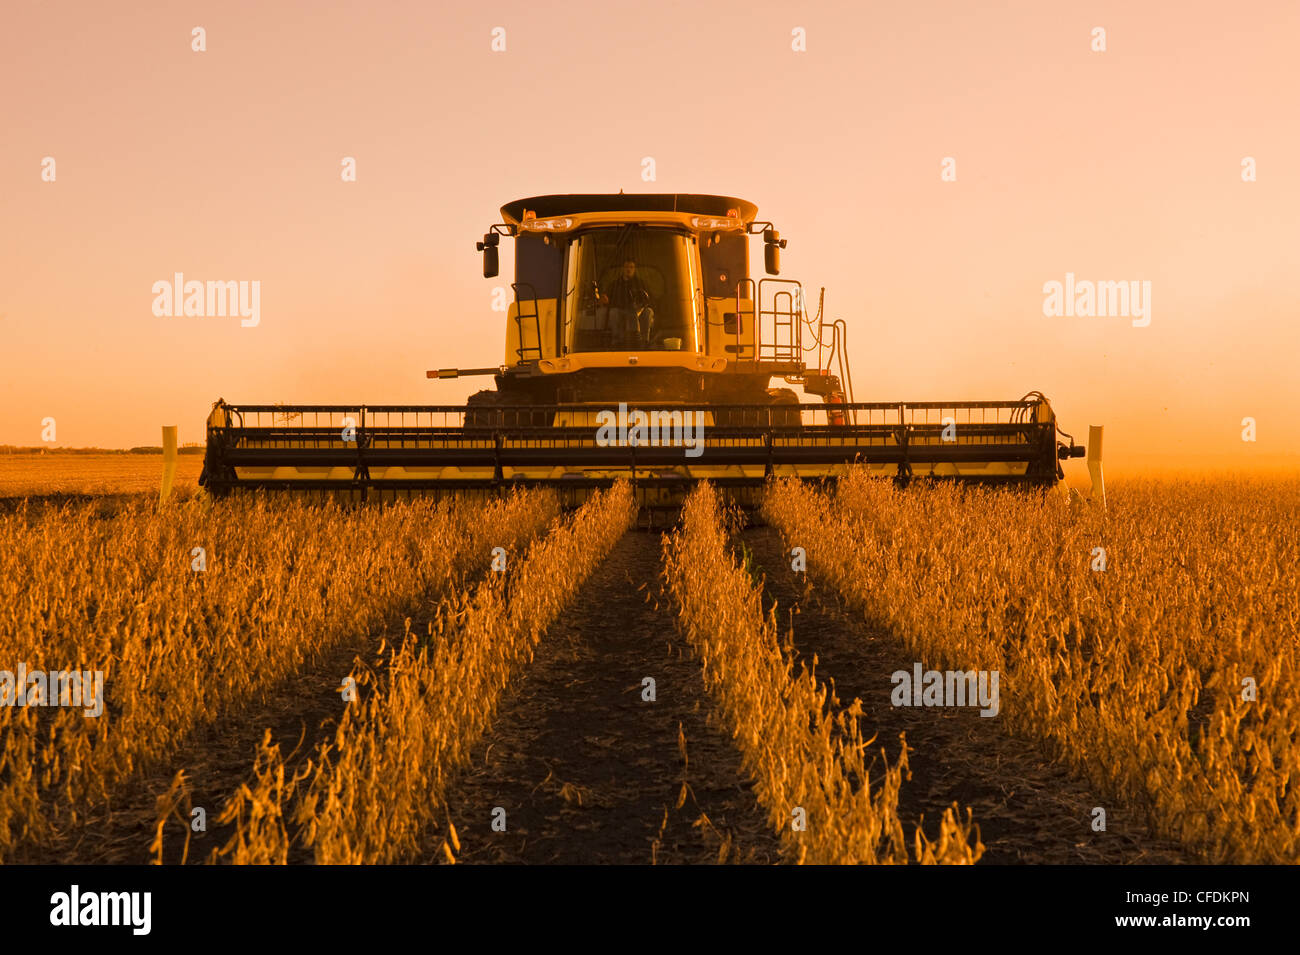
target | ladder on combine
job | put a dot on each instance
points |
(782, 320)
(784, 335)
(525, 351)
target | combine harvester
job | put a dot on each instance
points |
(637, 345)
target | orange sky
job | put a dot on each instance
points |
(1116, 166)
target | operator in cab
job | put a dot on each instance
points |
(629, 305)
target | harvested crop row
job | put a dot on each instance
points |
(191, 610)
(802, 751)
(369, 794)
(1152, 646)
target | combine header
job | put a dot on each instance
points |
(639, 346)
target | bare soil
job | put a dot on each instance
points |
(588, 771)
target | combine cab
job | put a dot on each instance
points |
(639, 346)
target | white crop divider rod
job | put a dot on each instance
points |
(1094, 464)
(169, 462)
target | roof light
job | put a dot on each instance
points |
(705, 223)
(560, 224)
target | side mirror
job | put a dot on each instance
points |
(491, 255)
(772, 259)
(772, 246)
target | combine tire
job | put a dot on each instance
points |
(485, 411)
(757, 417)
(785, 416)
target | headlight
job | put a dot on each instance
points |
(559, 224)
(706, 223)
